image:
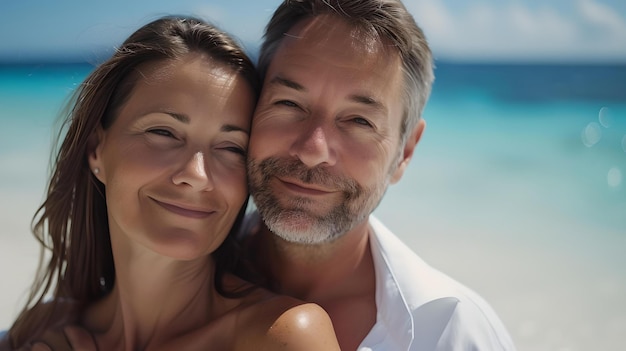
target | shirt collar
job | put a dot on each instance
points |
(411, 297)
(391, 307)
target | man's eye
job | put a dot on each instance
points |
(287, 103)
(362, 121)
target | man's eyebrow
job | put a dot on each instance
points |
(278, 80)
(233, 128)
(358, 98)
(369, 101)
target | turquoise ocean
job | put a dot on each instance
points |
(517, 189)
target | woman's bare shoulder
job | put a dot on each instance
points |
(285, 323)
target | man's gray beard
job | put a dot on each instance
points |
(296, 224)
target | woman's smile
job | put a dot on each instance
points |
(187, 210)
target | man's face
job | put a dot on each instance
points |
(326, 131)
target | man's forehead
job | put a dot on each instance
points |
(323, 31)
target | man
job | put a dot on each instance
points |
(345, 82)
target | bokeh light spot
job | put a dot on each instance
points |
(604, 117)
(591, 134)
(614, 177)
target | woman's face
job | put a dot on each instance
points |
(173, 161)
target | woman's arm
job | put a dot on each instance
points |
(303, 327)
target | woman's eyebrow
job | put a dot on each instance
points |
(177, 116)
(233, 128)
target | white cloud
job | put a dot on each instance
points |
(246, 24)
(433, 16)
(516, 31)
(602, 16)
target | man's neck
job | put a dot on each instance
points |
(339, 276)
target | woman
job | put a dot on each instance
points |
(148, 182)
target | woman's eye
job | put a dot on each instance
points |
(161, 132)
(236, 150)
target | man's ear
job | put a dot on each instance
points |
(407, 152)
(94, 154)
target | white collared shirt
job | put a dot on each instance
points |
(420, 308)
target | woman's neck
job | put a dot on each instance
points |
(153, 298)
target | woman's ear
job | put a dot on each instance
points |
(407, 152)
(94, 154)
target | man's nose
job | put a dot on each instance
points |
(313, 147)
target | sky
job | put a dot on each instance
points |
(558, 31)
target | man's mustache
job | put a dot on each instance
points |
(294, 168)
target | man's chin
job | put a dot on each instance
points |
(291, 222)
(298, 228)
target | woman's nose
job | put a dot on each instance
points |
(194, 173)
